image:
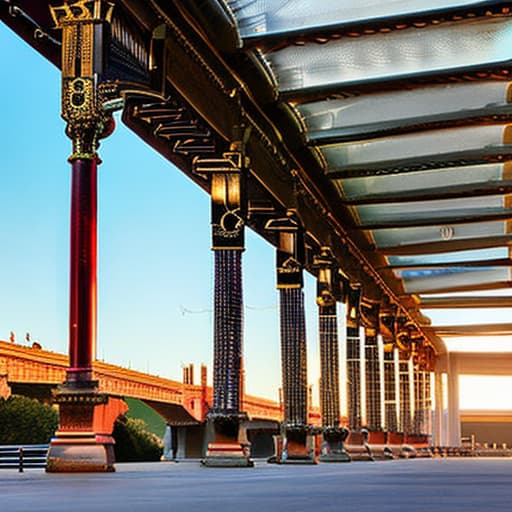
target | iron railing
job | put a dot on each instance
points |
(23, 456)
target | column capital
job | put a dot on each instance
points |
(66, 12)
(387, 323)
(369, 311)
(353, 297)
(290, 254)
(83, 96)
(228, 196)
(329, 285)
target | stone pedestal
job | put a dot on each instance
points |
(394, 442)
(407, 451)
(226, 449)
(83, 441)
(378, 446)
(421, 443)
(333, 449)
(297, 446)
(357, 446)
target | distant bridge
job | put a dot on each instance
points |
(177, 402)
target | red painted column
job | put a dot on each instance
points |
(83, 269)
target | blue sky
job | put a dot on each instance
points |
(155, 262)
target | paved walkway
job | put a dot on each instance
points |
(432, 485)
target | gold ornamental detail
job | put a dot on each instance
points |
(81, 10)
(84, 32)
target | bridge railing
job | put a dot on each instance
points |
(23, 456)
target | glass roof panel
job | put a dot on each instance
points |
(450, 277)
(447, 257)
(406, 236)
(465, 316)
(380, 111)
(385, 151)
(480, 344)
(424, 180)
(422, 210)
(256, 17)
(433, 49)
(501, 292)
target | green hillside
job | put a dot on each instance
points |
(139, 410)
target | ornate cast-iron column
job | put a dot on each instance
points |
(403, 342)
(289, 263)
(228, 243)
(425, 362)
(370, 320)
(429, 369)
(83, 441)
(387, 329)
(428, 404)
(357, 442)
(353, 359)
(328, 293)
(419, 400)
(405, 423)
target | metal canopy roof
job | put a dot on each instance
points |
(385, 126)
(406, 107)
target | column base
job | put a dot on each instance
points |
(83, 442)
(357, 446)
(394, 442)
(81, 454)
(381, 452)
(226, 455)
(298, 446)
(226, 450)
(378, 446)
(407, 451)
(421, 444)
(335, 457)
(333, 449)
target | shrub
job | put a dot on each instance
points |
(134, 443)
(24, 420)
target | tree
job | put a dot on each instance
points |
(24, 420)
(134, 443)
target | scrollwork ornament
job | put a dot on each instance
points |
(87, 121)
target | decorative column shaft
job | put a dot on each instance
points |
(329, 366)
(373, 405)
(227, 332)
(390, 402)
(387, 328)
(419, 400)
(370, 319)
(293, 357)
(405, 423)
(328, 292)
(454, 425)
(439, 409)
(428, 403)
(83, 258)
(353, 359)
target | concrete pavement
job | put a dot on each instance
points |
(447, 485)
